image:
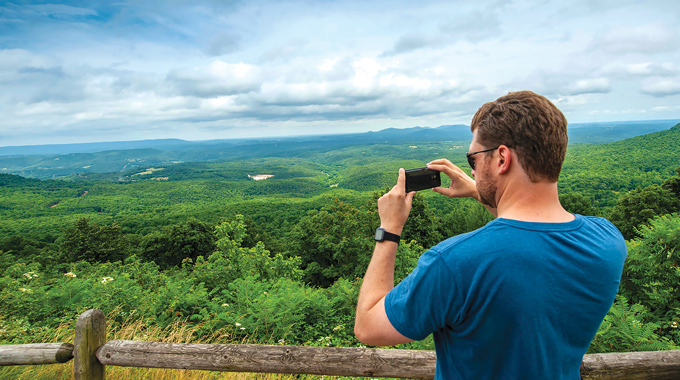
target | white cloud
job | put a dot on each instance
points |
(626, 39)
(642, 69)
(665, 108)
(590, 86)
(223, 43)
(61, 10)
(218, 78)
(366, 70)
(411, 42)
(474, 26)
(661, 87)
(147, 69)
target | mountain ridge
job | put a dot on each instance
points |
(172, 151)
(594, 133)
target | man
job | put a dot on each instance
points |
(523, 296)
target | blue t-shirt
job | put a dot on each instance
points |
(512, 300)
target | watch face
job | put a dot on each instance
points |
(379, 234)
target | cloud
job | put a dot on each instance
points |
(223, 43)
(473, 26)
(182, 66)
(60, 10)
(647, 39)
(216, 79)
(14, 59)
(559, 84)
(642, 69)
(52, 71)
(590, 86)
(411, 42)
(661, 87)
(665, 108)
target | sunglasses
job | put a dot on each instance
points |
(471, 160)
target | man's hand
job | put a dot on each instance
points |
(462, 185)
(395, 205)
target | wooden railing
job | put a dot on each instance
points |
(91, 353)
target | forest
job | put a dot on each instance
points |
(280, 260)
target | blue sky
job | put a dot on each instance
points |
(85, 71)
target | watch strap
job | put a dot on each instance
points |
(382, 235)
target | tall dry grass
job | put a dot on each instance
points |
(178, 332)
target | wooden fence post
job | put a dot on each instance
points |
(90, 335)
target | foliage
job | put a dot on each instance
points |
(169, 247)
(94, 243)
(673, 184)
(623, 330)
(652, 273)
(231, 261)
(640, 205)
(467, 216)
(334, 242)
(577, 203)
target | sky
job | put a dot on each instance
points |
(90, 71)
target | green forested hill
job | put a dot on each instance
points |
(145, 198)
(148, 198)
(606, 170)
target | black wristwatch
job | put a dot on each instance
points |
(382, 235)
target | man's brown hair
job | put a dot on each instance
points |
(529, 124)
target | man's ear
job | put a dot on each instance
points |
(506, 156)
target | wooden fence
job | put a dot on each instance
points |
(91, 353)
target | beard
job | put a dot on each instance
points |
(487, 189)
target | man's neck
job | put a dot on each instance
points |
(532, 202)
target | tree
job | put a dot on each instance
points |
(652, 273)
(638, 206)
(94, 243)
(673, 184)
(468, 215)
(577, 203)
(334, 242)
(231, 260)
(169, 247)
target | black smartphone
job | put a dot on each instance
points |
(421, 179)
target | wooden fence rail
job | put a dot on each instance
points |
(37, 353)
(92, 353)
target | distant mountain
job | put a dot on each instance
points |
(57, 149)
(51, 161)
(605, 132)
(579, 133)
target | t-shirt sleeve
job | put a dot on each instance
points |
(426, 300)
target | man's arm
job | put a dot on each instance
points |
(461, 184)
(372, 325)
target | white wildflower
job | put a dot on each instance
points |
(237, 324)
(70, 274)
(281, 341)
(24, 290)
(106, 279)
(30, 275)
(225, 305)
(243, 328)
